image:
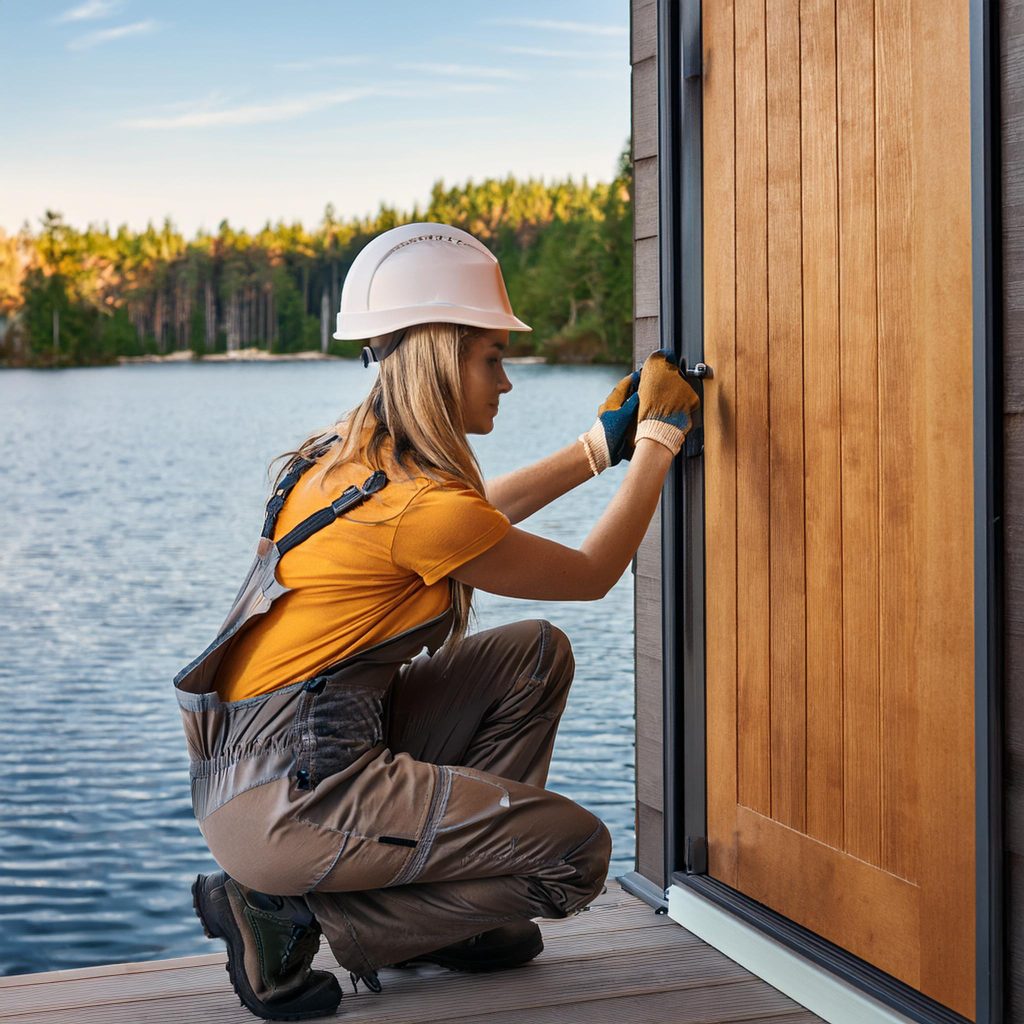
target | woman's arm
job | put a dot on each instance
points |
(524, 491)
(524, 565)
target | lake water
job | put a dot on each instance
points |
(131, 499)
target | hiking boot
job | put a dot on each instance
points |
(508, 946)
(271, 943)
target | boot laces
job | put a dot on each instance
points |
(299, 942)
(370, 980)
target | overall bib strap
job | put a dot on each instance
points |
(349, 498)
(287, 483)
(195, 683)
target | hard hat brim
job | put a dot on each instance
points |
(359, 326)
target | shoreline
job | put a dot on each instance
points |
(242, 355)
(259, 355)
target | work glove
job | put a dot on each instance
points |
(667, 402)
(610, 439)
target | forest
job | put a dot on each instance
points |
(71, 297)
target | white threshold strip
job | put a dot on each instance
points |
(831, 998)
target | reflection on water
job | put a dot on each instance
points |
(131, 499)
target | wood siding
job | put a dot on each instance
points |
(650, 834)
(1012, 130)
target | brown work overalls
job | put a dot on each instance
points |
(400, 791)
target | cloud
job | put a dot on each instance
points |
(414, 124)
(536, 51)
(89, 10)
(210, 112)
(586, 28)
(322, 62)
(607, 74)
(213, 99)
(461, 70)
(108, 35)
(201, 116)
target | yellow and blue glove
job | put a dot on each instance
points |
(667, 402)
(610, 439)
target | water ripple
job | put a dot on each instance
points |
(131, 499)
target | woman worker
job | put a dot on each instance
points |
(360, 767)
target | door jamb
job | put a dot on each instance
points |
(986, 258)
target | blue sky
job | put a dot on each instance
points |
(124, 111)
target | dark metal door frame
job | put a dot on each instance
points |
(683, 576)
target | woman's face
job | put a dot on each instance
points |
(483, 380)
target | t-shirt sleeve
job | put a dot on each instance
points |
(443, 527)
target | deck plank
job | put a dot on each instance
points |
(617, 963)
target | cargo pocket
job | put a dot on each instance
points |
(334, 727)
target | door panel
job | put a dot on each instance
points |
(838, 474)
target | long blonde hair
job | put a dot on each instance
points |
(415, 409)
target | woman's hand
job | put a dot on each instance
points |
(666, 402)
(610, 439)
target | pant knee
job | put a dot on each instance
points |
(556, 660)
(588, 859)
(591, 860)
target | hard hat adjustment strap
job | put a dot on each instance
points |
(385, 343)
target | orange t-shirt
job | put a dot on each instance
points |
(378, 571)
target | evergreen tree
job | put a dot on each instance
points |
(565, 249)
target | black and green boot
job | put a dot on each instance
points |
(511, 945)
(271, 943)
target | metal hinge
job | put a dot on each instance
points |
(696, 859)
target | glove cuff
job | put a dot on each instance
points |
(595, 444)
(664, 433)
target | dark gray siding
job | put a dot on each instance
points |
(649, 809)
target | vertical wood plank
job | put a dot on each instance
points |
(753, 709)
(720, 433)
(823, 509)
(786, 395)
(944, 506)
(897, 389)
(859, 426)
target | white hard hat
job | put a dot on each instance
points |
(417, 274)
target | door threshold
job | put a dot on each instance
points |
(812, 986)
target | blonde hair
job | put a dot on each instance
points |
(414, 409)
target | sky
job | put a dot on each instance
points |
(129, 111)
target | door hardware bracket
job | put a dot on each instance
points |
(699, 370)
(696, 862)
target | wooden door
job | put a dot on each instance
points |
(838, 461)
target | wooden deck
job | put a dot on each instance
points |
(617, 963)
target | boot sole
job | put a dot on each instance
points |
(514, 957)
(220, 925)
